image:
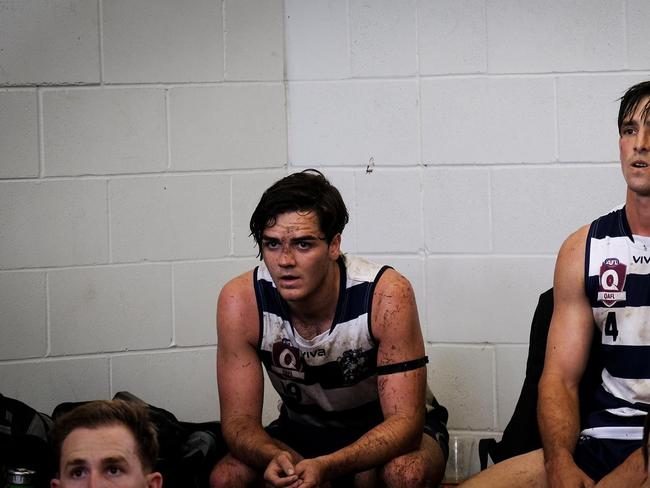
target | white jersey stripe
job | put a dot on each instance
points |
(624, 249)
(628, 334)
(619, 433)
(630, 390)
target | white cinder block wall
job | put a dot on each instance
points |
(467, 137)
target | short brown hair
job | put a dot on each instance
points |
(100, 413)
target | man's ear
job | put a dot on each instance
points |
(154, 480)
(335, 247)
(55, 483)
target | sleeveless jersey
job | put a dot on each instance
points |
(330, 380)
(617, 280)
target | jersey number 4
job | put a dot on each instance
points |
(610, 325)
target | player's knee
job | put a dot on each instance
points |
(230, 474)
(408, 471)
(221, 477)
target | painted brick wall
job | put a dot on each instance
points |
(134, 138)
(472, 137)
(468, 137)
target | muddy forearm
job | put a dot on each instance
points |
(248, 441)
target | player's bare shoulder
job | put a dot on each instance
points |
(393, 286)
(237, 290)
(572, 251)
(576, 241)
(237, 306)
(393, 301)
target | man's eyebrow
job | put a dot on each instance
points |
(114, 460)
(308, 237)
(75, 462)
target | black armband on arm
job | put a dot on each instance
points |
(403, 366)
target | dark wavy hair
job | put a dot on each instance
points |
(631, 100)
(101, 413)
(306, 191)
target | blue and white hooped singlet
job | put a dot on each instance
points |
(330, 380)
(617, 280)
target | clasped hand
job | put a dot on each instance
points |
(282, 473)
(568, 475)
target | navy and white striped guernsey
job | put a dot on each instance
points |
(617, 280)
(330, 380)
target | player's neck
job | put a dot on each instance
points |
(637, 211)
(316, 313)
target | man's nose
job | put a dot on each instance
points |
(94, 480)
(642, 141)
(286, 256)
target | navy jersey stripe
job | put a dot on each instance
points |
(605, 400)
(603, 418)
(330, 375)
(341, 303)
(270, 301)
(258, 298)
(356, 302)
(588, 284)
(631, 362)
(614, 224)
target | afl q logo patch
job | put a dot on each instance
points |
(286, 360)
(611, 282)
